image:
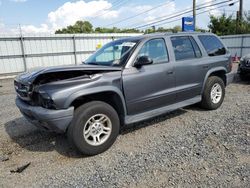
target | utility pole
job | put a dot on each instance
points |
(239, 17)
(194, 13)
(240, 10)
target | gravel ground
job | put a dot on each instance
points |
(186, 148)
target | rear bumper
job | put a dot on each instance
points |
(230, 77)
(52, 120)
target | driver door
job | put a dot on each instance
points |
(150, 86)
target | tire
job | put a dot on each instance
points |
(85, 127)
(212, 101)
(243, 76)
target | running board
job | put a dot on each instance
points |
(147, 115)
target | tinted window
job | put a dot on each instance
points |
(156, 50)
(185, 48)
(212, 45)
(196, 47)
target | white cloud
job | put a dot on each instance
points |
(70, 12)
(161, 12)
(43, 28)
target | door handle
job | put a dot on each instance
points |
(170, 72)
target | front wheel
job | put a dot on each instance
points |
(213, 94)
(94, 128)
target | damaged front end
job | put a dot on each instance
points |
(30, 86)
(43, 93)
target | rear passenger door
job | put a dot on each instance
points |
(190, 70)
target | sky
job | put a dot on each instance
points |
(46, 16)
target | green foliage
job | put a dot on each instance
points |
(78, 27)
(86, 27)
(115, 30)
(175, 29)
(224, 25)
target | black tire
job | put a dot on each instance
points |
(243, 76)
(81, 116)
(207, 102)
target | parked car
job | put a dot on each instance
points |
(126, 81)
(244, 67)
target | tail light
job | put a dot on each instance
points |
(231, 65)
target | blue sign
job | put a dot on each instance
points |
(188, 24)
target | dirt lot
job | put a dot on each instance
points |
(186, 148)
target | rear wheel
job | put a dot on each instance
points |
(213, 94)
(94, 128)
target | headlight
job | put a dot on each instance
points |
(46, 101)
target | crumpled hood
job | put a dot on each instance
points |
(31, 75)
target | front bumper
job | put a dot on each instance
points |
(230, 77)
(52, 120)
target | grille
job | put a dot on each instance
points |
(22, 90)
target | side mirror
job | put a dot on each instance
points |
(143, 60)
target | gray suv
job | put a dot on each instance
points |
(126, 81)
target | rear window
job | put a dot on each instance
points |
(212, 45)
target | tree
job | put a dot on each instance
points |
(175, 29)
(224, 25)
(115, 30)
(78, 27)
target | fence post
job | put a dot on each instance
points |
(23, 53)
(241, 46)
(74, 46)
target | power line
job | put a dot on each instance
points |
(183, 12)
(178, 19)
(131, 17)
(128, 18)
(115, 5)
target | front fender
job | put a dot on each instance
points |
(210, 72)
(95, 90)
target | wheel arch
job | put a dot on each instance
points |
(219, 71)
(110, 95)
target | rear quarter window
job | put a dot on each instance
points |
(212, 45)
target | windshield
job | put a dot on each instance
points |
(112, 54)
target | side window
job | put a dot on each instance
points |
(155, 49)
(185, 47)
(196, 47)
(212, 45)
